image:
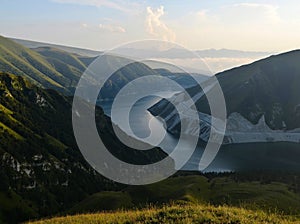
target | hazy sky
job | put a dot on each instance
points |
(266, 25)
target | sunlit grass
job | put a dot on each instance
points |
(177, 214)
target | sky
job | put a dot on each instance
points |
(265, 25)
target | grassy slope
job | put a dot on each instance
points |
(255, 195)
(273, 196)
(22, 61)
(48, 67)
(178, 214)
(60, 70)
(39, 160)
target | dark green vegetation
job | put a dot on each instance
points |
(42, 171)
(275, 192)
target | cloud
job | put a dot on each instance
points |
(112, 28)
(156, 27)
(114, 4)
(270, 12)
(202, 13)
(84, 25)
(104, 27)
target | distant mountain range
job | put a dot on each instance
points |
(55, 68)
(170, 53)
(207, 61)
(175, 53)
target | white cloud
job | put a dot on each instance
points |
(112, 28)
(84, 25)
(202, 13)
(156, 27)
(270, 12)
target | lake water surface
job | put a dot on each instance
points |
(140, 119)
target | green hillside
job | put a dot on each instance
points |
(40, 163)
(41, 168)
(54, 68)
(241, 191)
(178, 214)
(74, 50)
(15, 58)
(60, 70)
(45, 66)
(43, 172)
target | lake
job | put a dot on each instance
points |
(141, 120)
(230, 157)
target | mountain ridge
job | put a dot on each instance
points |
(263, 119)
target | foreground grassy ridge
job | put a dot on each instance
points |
(254, 195)
(177, 214)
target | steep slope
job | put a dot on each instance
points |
(41, 165)
(65, 63)
(19, 60)
(265, 88)
(268, 87)
(57, 69)
(45, 66)
(262, 102)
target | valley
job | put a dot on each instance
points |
(127, 111)
(43, 172)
